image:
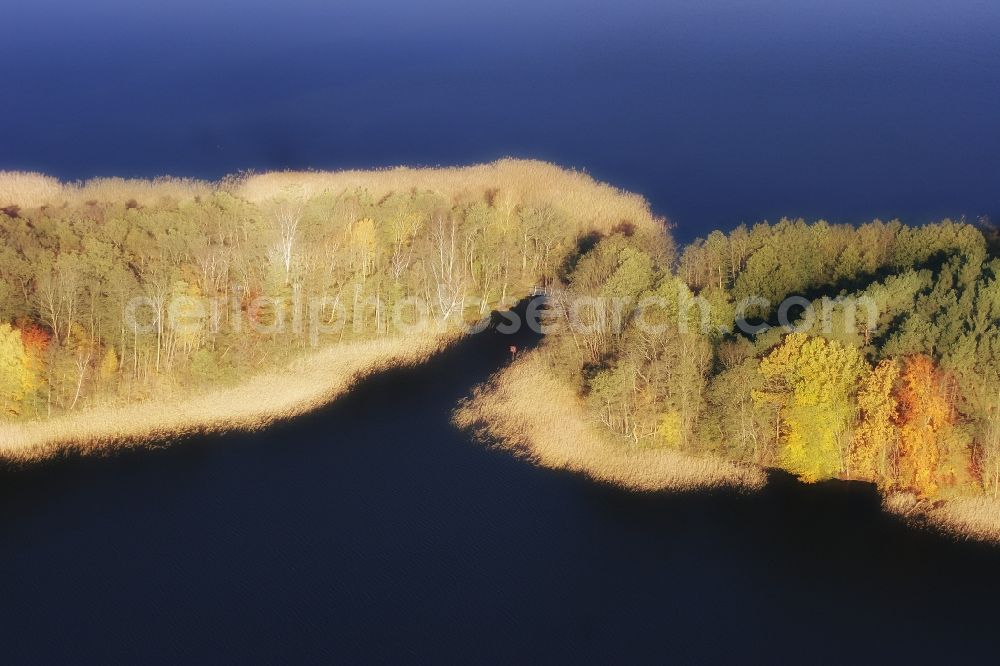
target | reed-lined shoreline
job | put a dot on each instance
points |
(258, 268)
(526, 410)
(305, 384)
(524, 407)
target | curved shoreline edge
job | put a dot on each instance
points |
(523, 409)
(303, 385)
(527, 411)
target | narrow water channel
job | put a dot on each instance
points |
(373, 530)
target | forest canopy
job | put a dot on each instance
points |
(908, 397)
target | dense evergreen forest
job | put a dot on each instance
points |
(904, 392)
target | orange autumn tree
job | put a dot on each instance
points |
(36, 342)
(875, 438)
(925, 414)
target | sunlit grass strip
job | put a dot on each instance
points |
(971, 517)
(31, 189)
(976, 518)
(509, 183)
(304, 385)
(527, 410)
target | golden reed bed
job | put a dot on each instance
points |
(973, 518)
(513, 182)
(304, 385)
(528, 411)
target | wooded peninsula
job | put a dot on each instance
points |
(132, 310)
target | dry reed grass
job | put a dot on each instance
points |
(976, 518)
(30, 190)
(527, 410)
(304, 385)
(144, 192)
(526, 182)
(511, 182)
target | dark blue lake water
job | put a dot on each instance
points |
(718, 111)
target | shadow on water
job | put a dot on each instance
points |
(372, 529)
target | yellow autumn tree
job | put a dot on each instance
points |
(16, 376)
(925, 415)
(670, 429)
(877, 433)
(811, 380)
(109, 365)
(363, 240)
